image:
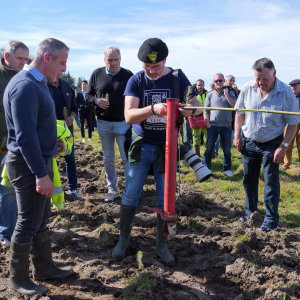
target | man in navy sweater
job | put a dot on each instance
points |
(32, 143)
(110, 80)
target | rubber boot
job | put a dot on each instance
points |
(19, 271)
(41, 257)
(197, 149)
(126, 222)
(161, 245)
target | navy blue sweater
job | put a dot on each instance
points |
(31, 121)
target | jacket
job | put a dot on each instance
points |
(6, 75)
(83, 105)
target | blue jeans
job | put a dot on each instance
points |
(212, 135)
(137, 173)
(34, 209)
(253, 153)
(71, 167)
(217, 145)
(108, 133)
(77, 120)
(8, 208)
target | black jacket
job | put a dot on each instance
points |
(83, 105)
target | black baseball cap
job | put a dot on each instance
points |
(153, 51)
(295, 81)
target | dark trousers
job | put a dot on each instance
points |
(88, 116)
(253, 154)
(34, 209)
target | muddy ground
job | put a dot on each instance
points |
(217, 256)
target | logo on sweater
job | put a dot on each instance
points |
(152, 56)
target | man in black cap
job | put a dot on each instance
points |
(295, 87)
(145, 107)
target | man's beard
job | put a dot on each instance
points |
(153, 78)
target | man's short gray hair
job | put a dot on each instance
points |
(230, 76)
(112, 48)
(50, 45)
(263, 63)
(12, 46)
(219, 74)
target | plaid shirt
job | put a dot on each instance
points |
(264, 127)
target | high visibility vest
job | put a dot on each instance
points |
(58, 197)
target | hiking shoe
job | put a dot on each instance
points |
(112, 194)
(90, 139)
(228, 173)
(4, 241)
(75, 195)
(83, 140)
(267, 228)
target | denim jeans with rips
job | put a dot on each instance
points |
(108, 133)
(8, 209)
(253, 154)
(137, 173)
(212, 135)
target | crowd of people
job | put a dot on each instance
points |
(129, 109)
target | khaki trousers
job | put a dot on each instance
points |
(288, 156)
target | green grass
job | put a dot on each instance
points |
(220, 187)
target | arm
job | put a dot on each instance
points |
(239, 121)
(194, 102)
(134, 115)
(231, 101)
(74, 109)
(281, 150)
(206, 119)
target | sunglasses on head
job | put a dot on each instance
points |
(219, 80)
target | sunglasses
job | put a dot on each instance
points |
(219, 80)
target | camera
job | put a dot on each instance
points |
(192, 159)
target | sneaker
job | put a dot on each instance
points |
(90, 139)
(4, 241)
(228, 173)
(112, 194)
(75, 195)
(244, 218)
(267, 228)
(83, 140)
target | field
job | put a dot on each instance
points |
(217, 255)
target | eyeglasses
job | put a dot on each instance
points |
(155, 68)
(219, 80)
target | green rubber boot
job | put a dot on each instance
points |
(41, 257)
(19, 271)
(197, 149)
(126, 222)
(161, 245)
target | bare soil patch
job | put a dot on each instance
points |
(217, 255)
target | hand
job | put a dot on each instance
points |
(226, 92)
(102, 103)
(69, 121)
(234, 86)
(44, 186)
(61, 147)
(279, 154)
(160, 109)
(186, 113)
(208, 125)
(238, 143)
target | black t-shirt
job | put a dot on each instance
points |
(101, 84)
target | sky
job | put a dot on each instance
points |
(203, 37)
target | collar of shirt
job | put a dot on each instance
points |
(219, 92)
(112, 74)
(36, 74)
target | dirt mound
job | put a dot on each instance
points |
(217, 255)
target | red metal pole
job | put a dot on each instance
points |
(171, 158)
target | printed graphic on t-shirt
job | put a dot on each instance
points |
(154, 97)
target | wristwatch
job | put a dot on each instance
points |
(285, 144)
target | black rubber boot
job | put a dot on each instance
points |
(197, 149)
(41, 257)
(19, 271)
(126, 222)
(161, 245)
